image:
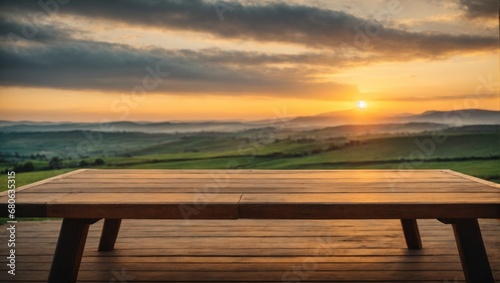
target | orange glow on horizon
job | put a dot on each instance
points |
(437, 58)
(95, 106)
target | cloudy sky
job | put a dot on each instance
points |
(75, 60)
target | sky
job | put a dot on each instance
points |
(154, 60)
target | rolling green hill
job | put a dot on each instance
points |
(474, 151)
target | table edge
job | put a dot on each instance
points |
(41, 182)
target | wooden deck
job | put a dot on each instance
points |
(253, 250)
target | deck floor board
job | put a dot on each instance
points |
(253, 251)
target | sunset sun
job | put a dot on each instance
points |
(362, 104)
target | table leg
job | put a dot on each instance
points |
(412, 235)
(109, 234)
(472, 252)
(69, 250)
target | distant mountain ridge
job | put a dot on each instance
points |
(365, 117)
(459, 117)
(128, 126)
(428, 120)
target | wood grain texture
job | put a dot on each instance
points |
(231, 194)
(254, 251)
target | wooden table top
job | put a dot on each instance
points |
(277, 194)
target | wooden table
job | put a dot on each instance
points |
(83, 197)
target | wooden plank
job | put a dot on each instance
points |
(374, 187)
(146, 211)
(373, 198)
(144, 206)
(425, 205)
(308, 227)
(254, 258)
(251, 180)
(255, 266)
(271, 198)
(261, 171)
(379, 241)
(390, 197)
(291, 210)
(142, 198)
(432, 264)
(34, 198)
(255, 276)
(268, 174)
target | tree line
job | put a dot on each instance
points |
(53, 164)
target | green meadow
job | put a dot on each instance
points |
(476, 153)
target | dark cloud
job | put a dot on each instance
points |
(276, 22)
(465, 98)
(54, 57)
(480, 8)
(22, 29)
(80, 64)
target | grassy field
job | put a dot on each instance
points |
(25, 179)
(78, 143)
(486, 169)
(477, 154)
(31, 177)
